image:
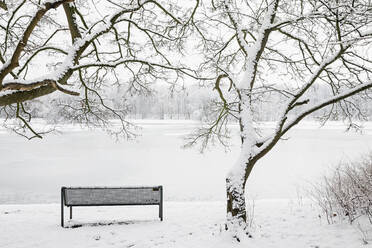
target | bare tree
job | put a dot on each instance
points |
(129, 44)
(261, 49)
(255, 49)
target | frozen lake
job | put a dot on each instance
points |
(33, 171)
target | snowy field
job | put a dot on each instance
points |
(277, 223)
(33, 171)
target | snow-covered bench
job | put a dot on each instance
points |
(110, 196)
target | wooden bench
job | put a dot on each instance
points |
(110, 196)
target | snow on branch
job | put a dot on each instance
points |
(294, 101)
(14, 61)
(63, 72)
(252, 52)
(324, 103)
(132, 34)
(285, 124)
(313, 77)
(13, 89)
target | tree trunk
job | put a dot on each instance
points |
(236, 211)
(236, 206)
(238, 175)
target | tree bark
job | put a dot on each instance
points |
(236, 210)
(235, 191)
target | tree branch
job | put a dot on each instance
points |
(14, 61)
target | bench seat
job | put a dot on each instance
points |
(110, 196)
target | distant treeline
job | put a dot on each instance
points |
(194, 103)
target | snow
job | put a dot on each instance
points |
(194, 188)
(237, 175)
(83, 157)
(72, 51)
(253, 50)
(5, 65)
(277, 223)
(7, 92)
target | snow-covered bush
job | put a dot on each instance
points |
(347, 191)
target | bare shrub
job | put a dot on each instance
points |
(347, 191)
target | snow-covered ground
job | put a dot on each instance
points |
(33, 171)
(277, 223)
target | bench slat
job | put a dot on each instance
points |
(112, 196)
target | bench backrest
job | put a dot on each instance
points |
(103, 196)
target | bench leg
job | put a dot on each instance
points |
(62, 214)
(161, 212)
(161, 204)
(70, 213)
